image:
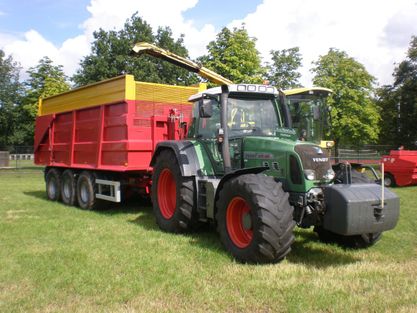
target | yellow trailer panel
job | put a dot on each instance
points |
(114, 90)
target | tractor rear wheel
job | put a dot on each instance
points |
(53, 184)
(172, 195)
(254, 219)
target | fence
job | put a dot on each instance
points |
(369, 154)
(18, 157)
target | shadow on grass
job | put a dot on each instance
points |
(308, 250)
(39, 194)
(204, 236)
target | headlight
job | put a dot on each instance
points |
(310, 174)
(329, 174)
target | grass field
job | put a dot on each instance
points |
(55, 258)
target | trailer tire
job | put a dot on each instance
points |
(86, 191)
(389, 180)
(173, 196)
(356, 241)
(255, 219)
(68, 188)
(53, 184)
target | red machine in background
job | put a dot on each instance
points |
(400, 168)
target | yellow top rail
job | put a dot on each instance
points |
(115, 90)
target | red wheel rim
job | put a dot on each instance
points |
(239, 222)
(167, 193)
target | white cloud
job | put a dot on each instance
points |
(108, 14)
(374, 33)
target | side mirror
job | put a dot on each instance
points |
(205, 108)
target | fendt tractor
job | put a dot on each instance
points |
(228, 156)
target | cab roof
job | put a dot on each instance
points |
(306, 90)
(238, 88)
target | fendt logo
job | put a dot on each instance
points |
(317, 160)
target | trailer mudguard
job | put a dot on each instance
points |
(356, 209)
(185, 153)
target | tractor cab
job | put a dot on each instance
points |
(310, 114)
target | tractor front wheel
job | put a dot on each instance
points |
(255, 219)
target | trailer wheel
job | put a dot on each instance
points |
(86, 191)
(254, 219)
(53, 184)
(389, 180)
(356, 241)
(68, 187)
(172, 195)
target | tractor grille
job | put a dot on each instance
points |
(314, 158)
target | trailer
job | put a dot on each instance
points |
(106, 133)
(400, 168)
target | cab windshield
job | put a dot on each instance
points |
(309, 116)
(245, 117)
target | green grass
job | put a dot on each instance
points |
(55, 258)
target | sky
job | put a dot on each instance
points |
(375, 33)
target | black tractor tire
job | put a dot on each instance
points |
(356, 242)
(68, 187)
(53, 184)
(86, 192)
(255, 219)
(389, 180)
(173, 196)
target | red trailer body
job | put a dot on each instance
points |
(110, 129)
(402, 166)
(110, 134)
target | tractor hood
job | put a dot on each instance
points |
(300, 167)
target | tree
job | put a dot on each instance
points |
(355, 116)
(388, 102)
(283, 72)
(45, 79)
(399, 102)
(10, 97)
(111, 56)
(233, 55)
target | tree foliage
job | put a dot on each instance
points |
(111, 55)
(45, 79)
(10, 98)
(398, 102)
(355, 117)
(233, 55)
(283, 72)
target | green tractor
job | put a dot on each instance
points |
(244, 168)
